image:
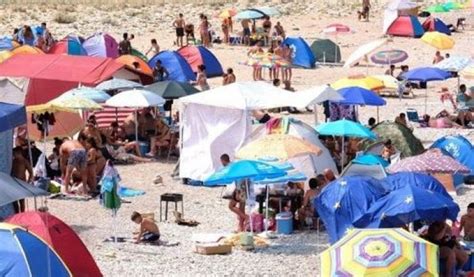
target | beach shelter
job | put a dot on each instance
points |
(326, 51)
(13, 189)
(459, 148)
(12, 90)
(302, 54)
(406, 26)
(433, 24)
(6, 43)
(380, 252)
(62, 238)
(139, 54)
(421, 180)
(402, 138)
(178, 68)
(132, 62)
(356, 169)
(344, 200)
(197, 55)
(26, 50)
(101, 45)
(11, 116)
(25, 254)
(70, 45)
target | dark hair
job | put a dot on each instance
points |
(387, 142)
(91, 141)
(470, 206)
(276, 82)
(392, 66)
(153, 40)
(125, 35)
(402, 115)
(371, 121)
(58, 141)
(225, 158)
(201, 67)
(136, 65)
(135, 216)
(313, 183)
(230, 71)
(180, 15)
(462, 86)
(114, 124)
(435, 228)
(18, 150)
(43, 24)
(158, 62)
(82, 137)
(426, 118)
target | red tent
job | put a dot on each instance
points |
(62, 239)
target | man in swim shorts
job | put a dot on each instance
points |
(73, 155)
(179, 25)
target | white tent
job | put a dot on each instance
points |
(363, 51)
(12, 91)
(218, 121)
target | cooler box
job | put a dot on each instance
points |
(144, 148)
(284, 222)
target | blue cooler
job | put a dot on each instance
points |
(144, 147)
(284, 222)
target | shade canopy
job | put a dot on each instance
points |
(360, 96)
(13, 189)
(11, 116)
(454, 63)
(363, 51)
(172, 89)
(96, 95)
(345, 128)
(438, 40)
(380, 252)
(366, 82)
(426, 74)
(135, 98)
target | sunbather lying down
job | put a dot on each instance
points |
(442, 122)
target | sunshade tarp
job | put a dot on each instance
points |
(375, 170)
(13, 190)
(11, 116)
(326, 50)
(197, 55)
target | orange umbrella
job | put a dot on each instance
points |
(26, 49)
(131, 61)
(4, 55)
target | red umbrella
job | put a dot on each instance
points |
(336, 28)
(432, 161)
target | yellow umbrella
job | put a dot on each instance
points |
(280, 146)
(388, 81)
(228, 13)
(368, 82)
(4, 55)
(468, 72)
(438, 40)
(75, 102)
(380, 252)
(26, 49)
(47, 107)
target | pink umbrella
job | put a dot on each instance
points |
(336, 28)
(432, 161)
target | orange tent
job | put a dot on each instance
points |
(26, 49)
(5, 55)
(130, 60)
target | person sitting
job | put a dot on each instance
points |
(329, 175)
(402, 120)
(438, 57)
(371, 123)
(307, 212)
(462, 98)
(161, 138)
(467, 223)
(388, 150)
(148, 232)
(391, 70)
(159, 72)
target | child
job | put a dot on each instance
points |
(149, 231)
(154, 48)
(467, 223)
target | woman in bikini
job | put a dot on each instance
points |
(226, 29)
(237, 206)
(162, 137)
(204, 31)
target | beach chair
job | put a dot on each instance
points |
(412, 115)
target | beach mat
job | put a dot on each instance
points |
(129, 192)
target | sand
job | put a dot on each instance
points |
(295, 255)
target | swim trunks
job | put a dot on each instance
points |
(150, 237)
(246, 32)
(180, 32)
(77, 158)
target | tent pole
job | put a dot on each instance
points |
(30, 154)
(315, 111)
(266, 209)
(426, 100)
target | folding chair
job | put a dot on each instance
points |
(412, 115)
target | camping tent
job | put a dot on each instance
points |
(373, 170)
(302, 54)
(308, 164)
(13, 189)
(12, 90)
(101, 45)
(69, 45)
(139, 54)
(459, 148)
(61, 238)
(402, 138)
(197, 55)
(326, 51)
(178, 68)
(406, 26)
(433, 24)
(11, 116)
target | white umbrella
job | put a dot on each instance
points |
(117, 83)
(400, 5)
(135, 98)
(363, 51)
(454, 63)
(317, 95)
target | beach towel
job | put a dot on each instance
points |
(277, 125)
(129, 192)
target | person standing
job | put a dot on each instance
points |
(125, 47)
(246, 31)
(365, 10)
(204, 31)
(201, 78)
(288, 56)
(179, 24)
(226, 29)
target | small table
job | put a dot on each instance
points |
(171, 197)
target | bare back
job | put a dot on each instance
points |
(68, 146)
(148, 225)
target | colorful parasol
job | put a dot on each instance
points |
(228, 13)
(336, 29)
(267, 60)
(432, 161)
(452, 6)
(282, 147)
(380, 252)
(389, 57)
(438, 40)
(368, 82)
(75, 102)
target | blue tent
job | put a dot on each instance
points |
(302, 54)
(425, 181)
(11, 116)
(178, 68)
(433, 24)
(6, 43)
(344, 200)
(197, 55)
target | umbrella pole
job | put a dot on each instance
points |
(315, 110)
(426, 100)
(248, 197)
(266, 209)
(378, 119)
(136, 126)
(343, 151)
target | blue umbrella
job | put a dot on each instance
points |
(344, 200)
(250, 14)
(360, 96)
(93, 94)
(274, 161)
(371, 159)
(290, 177)
(244, 169)
(406, 205)
(425, 181)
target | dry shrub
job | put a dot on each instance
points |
(62, 18)
(110, 21)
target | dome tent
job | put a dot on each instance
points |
(406, 26)
(178, 68)
(197, 55)
(69, 45)
(433, 24)
(101, 45)
(326, 51)
(302, 54)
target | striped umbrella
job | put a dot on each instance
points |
(389, 57)
(432, 161)
(336, 28)
(267, 60)
(454, 63)
(380, 252)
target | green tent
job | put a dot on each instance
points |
(402, 138)
(326, 51)
(139, 54)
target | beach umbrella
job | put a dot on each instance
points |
(276, 162)
(369, 83)
(345, 128)
(336, 29)
(454, 63)
(389, 57)
(26, 50)
(228, 13)
(400, 5)
(25, 254)
(67, 123)
(244, 170)
(108, 189)
(344, 200)
(406, 205)
(13, 189)
(450, 6)
(319, 94)
(172, 89)
(438, 40)
(74, 102)
(426, 74)
(468, 72)
(438, 8)
(96, 95)
(117, 84)
(427, 182)
(267, 60)
(280, 146)
(270, 11)
(432, 161)
(47, 107)
(364, 50)
(250, 14)
(387, 80)
(380, 252)
(360, 96)
(133, 61)
(370, 159)
(4, 55)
